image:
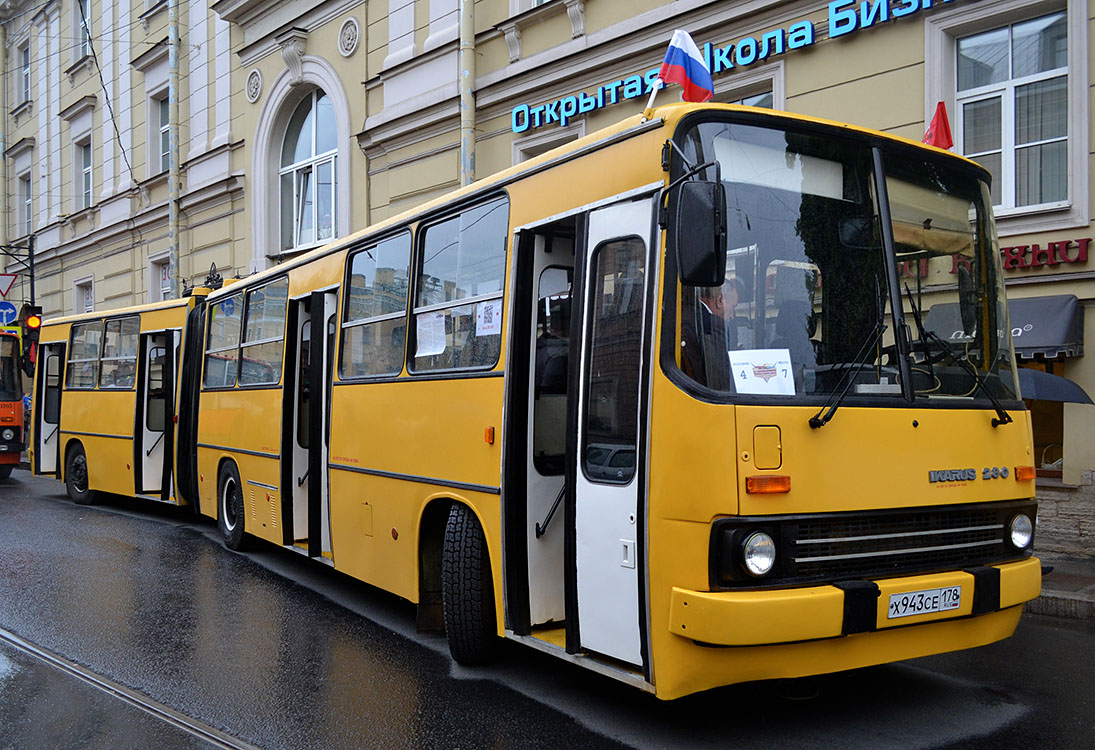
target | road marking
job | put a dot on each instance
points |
(154, 708)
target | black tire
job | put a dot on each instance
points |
(5, 470)
(468, 589)
(230, 513)
(76, 479)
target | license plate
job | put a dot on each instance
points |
(923, 602)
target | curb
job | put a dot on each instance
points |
(1063, 604)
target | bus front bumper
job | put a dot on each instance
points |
(753, 618)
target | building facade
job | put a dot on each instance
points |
(301, 123)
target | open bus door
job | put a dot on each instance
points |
(307, 423)
(606, 474)
(154, 416)
(47, 409)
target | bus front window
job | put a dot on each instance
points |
(949, 269)
(806, 309)
(9, 369)
(805, 304)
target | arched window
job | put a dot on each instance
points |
(308, 174)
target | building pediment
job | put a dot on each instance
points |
(20, 147)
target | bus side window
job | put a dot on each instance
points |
(376, 309)
(458, 313)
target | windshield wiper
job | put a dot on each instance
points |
(1002, 417)
(832, 404)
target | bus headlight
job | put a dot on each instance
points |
(758, 554)
(8, 434)
(1021, 531)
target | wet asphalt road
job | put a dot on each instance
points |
(279, 652)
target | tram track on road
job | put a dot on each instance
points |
(164, 713)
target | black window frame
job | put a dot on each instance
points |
(414, 310)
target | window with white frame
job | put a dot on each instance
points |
(760, 99)
(26, 200)
(24, 73)
(83, 175)
(82, 22)
(1013, 110)
(83, 296)
(160, 286)
(307, 174)
(162, 133)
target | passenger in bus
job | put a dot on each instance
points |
(553, 350)
(710, 334)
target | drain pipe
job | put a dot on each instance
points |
(4, 145)
(466, 81)
(173, 145)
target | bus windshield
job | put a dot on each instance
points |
(9, 369)
(806, 308)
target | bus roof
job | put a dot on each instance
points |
(665, 115)
(131, 310)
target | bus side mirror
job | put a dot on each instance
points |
(697, 232)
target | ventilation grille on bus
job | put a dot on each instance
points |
(864, 545)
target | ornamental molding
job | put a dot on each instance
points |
(254, 85)
(349, 35)
(576, 10)
(513, 40)
(293, 44)
(511, 28)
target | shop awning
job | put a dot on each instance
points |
(1042, 386)
(1052, 326)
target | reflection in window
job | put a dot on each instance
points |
(376, 306)
(83, 355)
(611, 404)
(222, 345)
(307, 174)
(264, 334)
(458, 316)
(119, 363)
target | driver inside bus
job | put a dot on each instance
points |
(710, 334)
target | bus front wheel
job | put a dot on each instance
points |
(5, 470)
(467, 589)
(76, 478)
(230, 516)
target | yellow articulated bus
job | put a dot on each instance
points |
(723, 395)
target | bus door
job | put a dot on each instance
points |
(310, 414)
(608, 507)
(47, 408)
(155, 413)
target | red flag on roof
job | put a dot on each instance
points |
(939, 131)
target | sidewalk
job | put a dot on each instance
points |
(1067, 591)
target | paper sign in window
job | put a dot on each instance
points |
(488, 318)
(430, 334)
(763, 371)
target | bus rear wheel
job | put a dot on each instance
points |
(76, 479)
(230, 515)
(467, 589)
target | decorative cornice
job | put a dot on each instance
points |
(77, 108)
(18, 148)
(150, 56)
(293, 43)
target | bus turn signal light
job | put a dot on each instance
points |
(768, 484)
(1024, 473)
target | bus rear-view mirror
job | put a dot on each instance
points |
(698, 233)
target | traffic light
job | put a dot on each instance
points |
(30, 319)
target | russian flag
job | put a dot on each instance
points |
(684, 64)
